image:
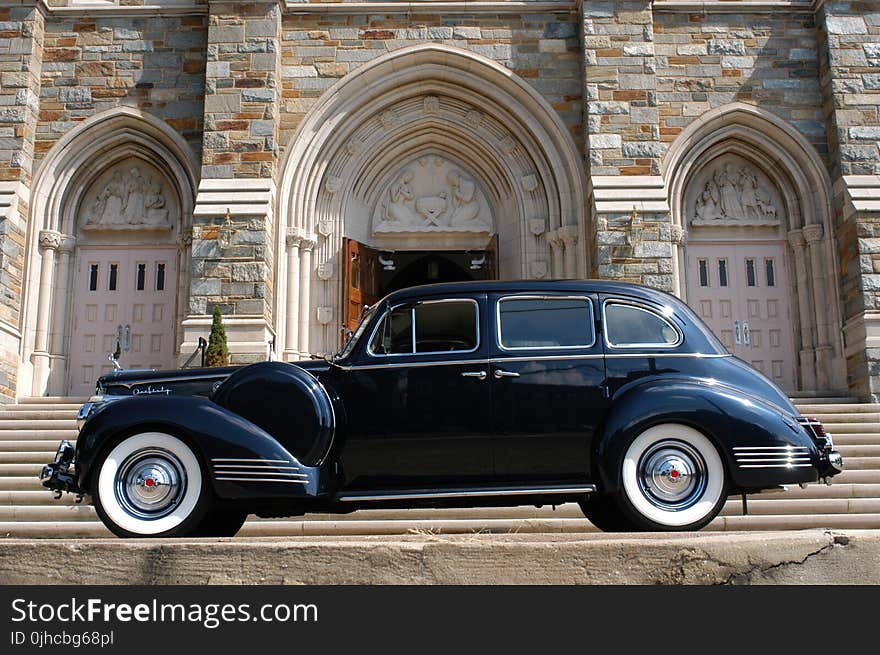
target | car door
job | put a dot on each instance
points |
(418, 399)
(548, 373)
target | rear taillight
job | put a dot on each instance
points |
(816, 425)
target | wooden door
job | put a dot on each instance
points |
(124, 296)
(741, 292)
(361, 280)
(492, 272)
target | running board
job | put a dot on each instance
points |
(419, 494)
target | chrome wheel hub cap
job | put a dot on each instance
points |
(150, 483)
(672, 475)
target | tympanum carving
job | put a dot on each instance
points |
(131, 197)
(734, 193)
(432, 195)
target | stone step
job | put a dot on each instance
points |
(32, 445)
(276, 528)
(28, 470)
(38, 415)
(53, 400)
(43, 497)
(25, 457)
(858, 450)
(830, 420)
(850, 408)
(853, 438)
(43, 435)
(807, 398)
(854, 428)
(52, 424)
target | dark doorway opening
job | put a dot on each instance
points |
(408, 269)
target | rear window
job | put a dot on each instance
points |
(429, 327)
(629, 326)
(545, 322)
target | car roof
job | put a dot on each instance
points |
(535, 286)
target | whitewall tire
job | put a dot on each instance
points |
(672, 478)
(151, 484)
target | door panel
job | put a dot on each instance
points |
(547, 403)
(361, 280)
(415, 421)
(741, 292)
(125, 296)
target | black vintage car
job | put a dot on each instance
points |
(611, 395)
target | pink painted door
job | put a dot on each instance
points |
(741, 291)
(127, 296)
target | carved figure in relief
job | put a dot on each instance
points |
(465, 204)
(157, 214)
(134, 200)
(730, 204)
(400, 209)
(739, 196)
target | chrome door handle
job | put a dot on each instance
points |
(480, 375)
(747, 338)
(736, 332)
(505, 374)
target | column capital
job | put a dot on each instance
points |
(293, 238)
(813, 233)
(678, 235)
(554, 239)
(51, 239)
(308, 242)
(569, 234)
(796, 239)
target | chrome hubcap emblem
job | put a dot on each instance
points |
(672, 475)
(150, 483)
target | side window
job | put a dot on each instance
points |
(430, 327)
(546, 322)
(630, 325)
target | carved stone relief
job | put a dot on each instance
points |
(131, 196)
(732, 191)
(432, 194)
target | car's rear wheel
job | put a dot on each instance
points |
(151, 484)
(671, 478)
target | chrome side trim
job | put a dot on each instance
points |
(259, 467)
(773, 466)
(224, 479)
(653, 355)
(129, 385)
(758, 448)
(469, 493)
(249, 460)
(758, 457)
(263, 473)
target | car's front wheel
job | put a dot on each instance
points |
(151, 484)
(671, 478)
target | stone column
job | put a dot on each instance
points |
(569, 235)
(305, 284)
(813, 235)
(49, 242)
(557, 252)
(678, 235)
(807, 354)
(234, 260)
(59, 338)
(291, 338)
(849, 58)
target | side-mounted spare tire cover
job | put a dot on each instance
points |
(286, 401)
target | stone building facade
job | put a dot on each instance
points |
(289, 161)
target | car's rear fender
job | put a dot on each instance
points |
(729, 418)
(227, 444)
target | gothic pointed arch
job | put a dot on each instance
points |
(157, 173)
(740, 174)
(429, 144)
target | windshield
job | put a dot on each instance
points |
(353, 339)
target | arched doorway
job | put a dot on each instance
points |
(429, 149)
(755, 258)
(108, 252)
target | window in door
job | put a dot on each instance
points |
(430, 327)
(545, 322)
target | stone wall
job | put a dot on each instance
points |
(21, 53)
(541, 48)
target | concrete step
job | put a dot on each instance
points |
(830, 420)
(33, 424)
(855, 438)
(21, 483)
(24, 457)
(855, 428)
(43, 497)
(29, 470)
(805, 398)
(859, 450)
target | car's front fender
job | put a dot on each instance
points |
(730, 418)
(214, 432)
